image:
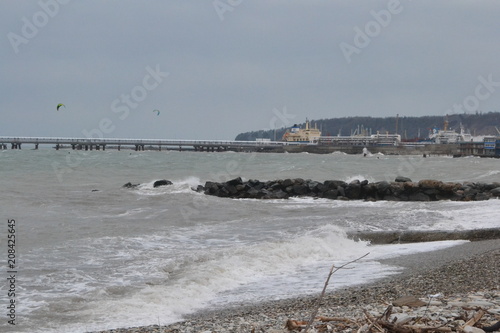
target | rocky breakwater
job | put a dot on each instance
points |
(402, 189)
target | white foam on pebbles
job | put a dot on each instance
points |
(450, 293)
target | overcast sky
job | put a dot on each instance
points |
(217, 68)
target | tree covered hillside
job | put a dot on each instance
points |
(410, 128)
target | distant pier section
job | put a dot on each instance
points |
(142, 144)
(489, 147)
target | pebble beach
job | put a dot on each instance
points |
(451, 286)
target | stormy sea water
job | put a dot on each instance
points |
(91, 254)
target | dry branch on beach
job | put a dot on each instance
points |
(408, 314)
(404, 319)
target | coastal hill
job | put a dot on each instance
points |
(410, 128)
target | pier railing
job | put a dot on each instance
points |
(139, 144)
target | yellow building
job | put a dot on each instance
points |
(297, 134)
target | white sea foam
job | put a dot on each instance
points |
(489, 174)
(357, 177)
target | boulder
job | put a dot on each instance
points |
(448, 187)
(353, 190)
(340, 191)
(382, 187)
(235, 181)
(252, 193)
(411, 187)
(276, 195)
(321, 188)
(401, 179)
(330, 194)
(429, 184)
(313, 185)
(198, 188)
(300, 189)
(298, 181)
(253, 182)
(396, 188)
(370, 190)
(162, 182)
(211, 188)
(231, 189)
(419, 197)
(495, 192)
(287, 182)
(481, 196)
(276, 186)
(130, 185)
(333, 184)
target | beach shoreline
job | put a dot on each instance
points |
(454, 272)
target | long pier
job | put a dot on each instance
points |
(142, 144)
(236, 146)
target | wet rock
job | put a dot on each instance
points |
(130, 185)
(353, 190)
(277, 195)
(211, 188)
(341, 191)
(429, 184)
(287, 182)
(300, 189)
(252, 193)
(235, 181)
(401, 179)
(419, 197)
(162, 182)
(495, 192)
(481, 196)
(396, 189)
(313, 185)
(330, 194)
(321, 188)
(198, 188)
(334, 184)
(424, 190)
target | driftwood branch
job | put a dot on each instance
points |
(385, 324)
(341, 319)
(474, 319)
(332, 271)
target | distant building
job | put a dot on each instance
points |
(299, 135)
(489, 147)
(362, 140)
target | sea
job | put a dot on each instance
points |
(89, 254)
